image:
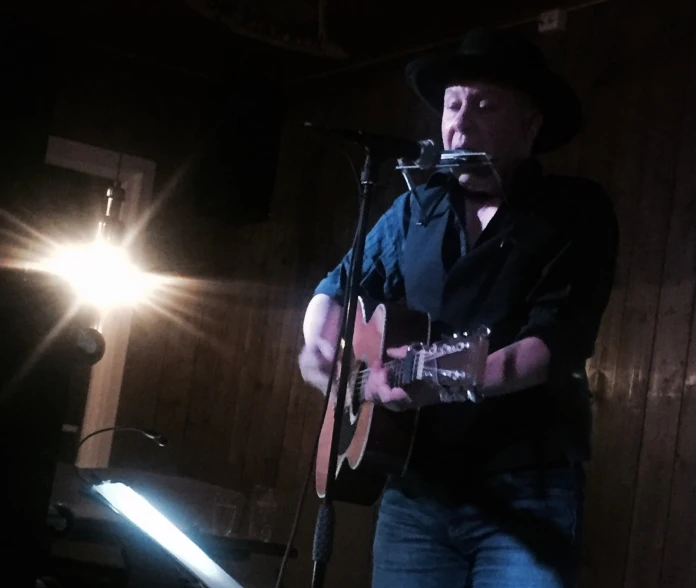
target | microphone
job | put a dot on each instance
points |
(424, 154)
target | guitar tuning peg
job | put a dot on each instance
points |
(483, 331)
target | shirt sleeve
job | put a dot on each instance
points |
(381, 278)
(567, 303)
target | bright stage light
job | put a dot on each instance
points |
(100, 274)
(128, 503)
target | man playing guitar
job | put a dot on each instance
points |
(493, 494)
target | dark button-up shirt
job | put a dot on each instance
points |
(543, 267)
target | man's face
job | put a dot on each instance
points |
(496, 119)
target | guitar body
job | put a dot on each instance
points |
(374, 442)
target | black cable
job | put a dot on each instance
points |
(354, 171)
(327, 395)
(47, 582)
(161, 440)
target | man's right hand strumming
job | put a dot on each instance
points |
(315, 363)
(320, 328)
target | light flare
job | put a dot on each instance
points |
(100, 274)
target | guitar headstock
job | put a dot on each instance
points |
(475, 341)
(478, 334)
(456, 363)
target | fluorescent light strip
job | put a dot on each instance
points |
(138, 510)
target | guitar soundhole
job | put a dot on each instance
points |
(357, 394)
(352, 406)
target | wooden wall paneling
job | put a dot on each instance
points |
(577, 60)
(243, 454)
(620, 107)
(280, 318)
(138, 402)
(622, 413)
(608, 135)
(331, 237)
(671, 346)
(341, 196)
(244, 365)
(273, 366)
(301, 198)
(606, 112)
(679, 553)
(678, 557)
(653, 476)
(292, 463)
(281, 362)
(284, 323)
(211, 393)
(313, 403)
(174, 386)
(170, 361)
(228, 391)
(294, 466)
(353, 104)
(318, 185)
(299, 184)
(234, 303)
(243, 323)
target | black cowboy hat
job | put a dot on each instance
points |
(502, 56)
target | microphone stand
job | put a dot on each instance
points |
(324, 529)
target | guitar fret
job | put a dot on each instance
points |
(420, 365)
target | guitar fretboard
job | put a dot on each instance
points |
(419, 366)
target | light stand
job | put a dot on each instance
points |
(324, 529)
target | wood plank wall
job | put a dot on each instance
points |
(227, 392)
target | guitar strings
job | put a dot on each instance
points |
(363, 375)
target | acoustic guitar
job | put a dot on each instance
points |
(376, 442)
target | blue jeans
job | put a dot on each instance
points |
(519, 530)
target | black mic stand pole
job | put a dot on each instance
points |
(324, 529)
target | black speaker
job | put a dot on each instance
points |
(234, 172)
(35, 360)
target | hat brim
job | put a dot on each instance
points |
(561, 109)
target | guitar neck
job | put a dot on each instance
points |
(421, 366)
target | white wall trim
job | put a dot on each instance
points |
(137, 178)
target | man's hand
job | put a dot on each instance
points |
(378, 390)
(315, 364)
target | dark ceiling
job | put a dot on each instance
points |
(282, 40)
